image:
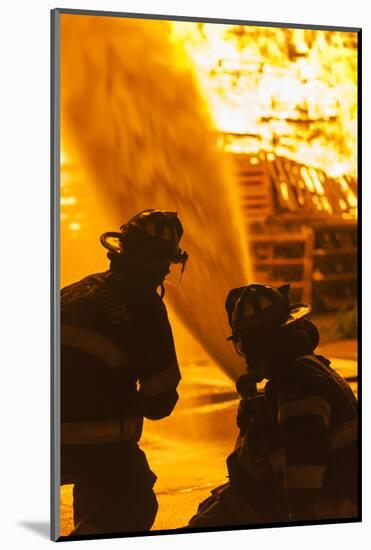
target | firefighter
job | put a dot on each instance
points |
(295, 458)
(118, 365)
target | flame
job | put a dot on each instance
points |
(292, 92)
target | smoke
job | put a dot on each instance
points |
(132, 114)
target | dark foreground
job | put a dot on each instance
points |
(187, 451)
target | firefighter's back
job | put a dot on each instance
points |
(101, 410)
(341, 475)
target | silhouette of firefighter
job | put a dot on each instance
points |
(295, 458)
(118, 365)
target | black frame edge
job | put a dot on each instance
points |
(54, 276)
(195, 530)
(55, 266)
(197, 19)
(359, 265)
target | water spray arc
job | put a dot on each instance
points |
(133, 117)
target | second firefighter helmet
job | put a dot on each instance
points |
(256, 308)
(150, 236)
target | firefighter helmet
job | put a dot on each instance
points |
(258, 306)
(152, 236)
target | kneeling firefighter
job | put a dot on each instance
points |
(295, 457)
(118, 365)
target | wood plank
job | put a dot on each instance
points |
(336, 277)
(279, 261)
(334, 251)
(280, 238)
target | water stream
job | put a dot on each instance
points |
(134, 123)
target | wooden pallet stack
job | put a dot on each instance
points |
(302, 227)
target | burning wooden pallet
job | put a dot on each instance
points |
(302, 226)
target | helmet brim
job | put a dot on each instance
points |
(111, 241)
(297, 312)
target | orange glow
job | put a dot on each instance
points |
(290, 91)
(342, 204)
(74, 226)
(308, 180)
(136, 134)
(283, 91)
(150, 111)
(284, 190)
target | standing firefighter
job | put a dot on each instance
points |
(296, 454)
(118, 366)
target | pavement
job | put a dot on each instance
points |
(187, 450)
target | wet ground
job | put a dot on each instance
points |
(187, 451)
